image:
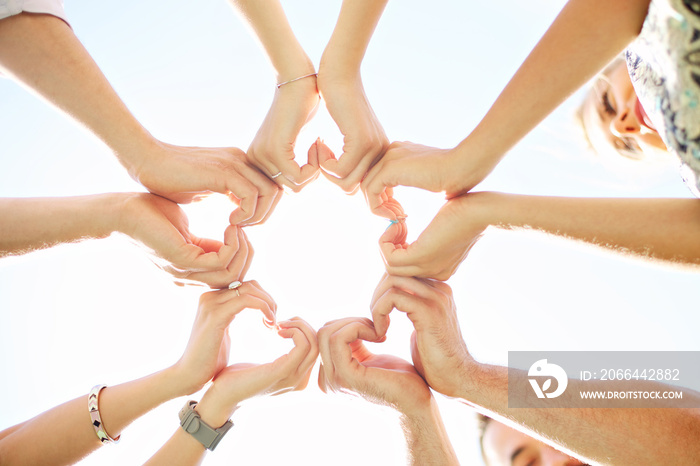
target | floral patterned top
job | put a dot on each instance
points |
(664, 65)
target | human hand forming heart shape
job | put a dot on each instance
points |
(437, 347)
(348, 366)
(442, 246)
(207, 354)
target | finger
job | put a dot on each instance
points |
(423, 288)
(353, 180)
(322, 383)
(297, 176)
(311, 356)
(377, 182)
(345, 343)
(230, 305)
(415, 355)
(326, 158)
(248, 185)
(207, 245)
(289, 363)
(328, 330)
(399, 257)
(242, 259)
(220, 277)
(249, 256)
(268, 198)
(324, 335)
(249, 296)
(253, 287)
(416, 308)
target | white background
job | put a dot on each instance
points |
(100, 312)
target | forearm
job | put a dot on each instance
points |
(585, 37)
(66, 434)
(270, 25)
(665, 229)
(426, 438)
(43, 53)
(36, 223)
(600, 435)
(348, 43)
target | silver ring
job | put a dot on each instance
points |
(275, 175)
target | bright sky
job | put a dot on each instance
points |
(100, 312)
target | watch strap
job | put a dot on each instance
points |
(192, 423)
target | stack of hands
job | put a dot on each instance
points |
(254, 180)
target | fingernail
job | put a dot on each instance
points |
(269, 323)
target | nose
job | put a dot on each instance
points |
(625, 122)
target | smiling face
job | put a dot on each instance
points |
(504, 446)
(614, 119)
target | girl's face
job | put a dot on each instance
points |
(613, 110)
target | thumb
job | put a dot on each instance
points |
(415, 355)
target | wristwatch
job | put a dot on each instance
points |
(192, 423)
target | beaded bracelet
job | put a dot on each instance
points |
(94, 409)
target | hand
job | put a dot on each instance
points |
(186, 174)
(443, 245)
(162, 227)
(405, 164)
(289, 372)
(208, 349)
(272, 150)
(437, 347)
(347, 365)
(429, 168)
(363, 135)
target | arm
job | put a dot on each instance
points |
(239, 382)
(348, 365)
(294, 104)
(156, 223)
(66, 431)
(42, 53)
(610, 436)
(584, 37)
(660, 229)
(340, 84)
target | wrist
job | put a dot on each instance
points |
(477, 211)
(133, 151)
(423, 411)
(291, 67)
(470, 162)
(214, 408)
(338, 67)
(469, 380)
(125, 211)
(177, 383)
(105, 213)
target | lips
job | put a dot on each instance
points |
(642, 117)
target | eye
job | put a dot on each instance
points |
(607, 106)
